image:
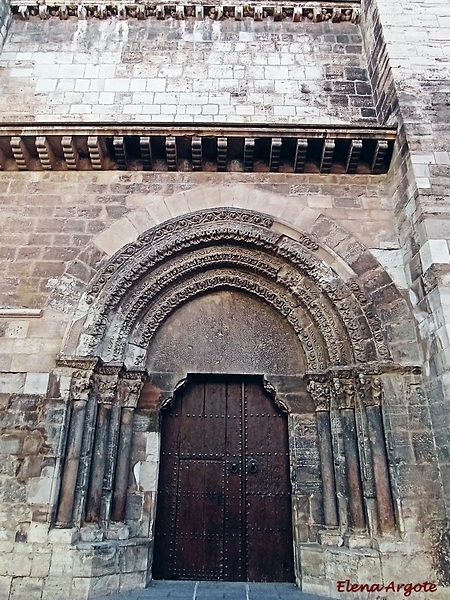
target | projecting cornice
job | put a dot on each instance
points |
(316, 12)
(186, 147)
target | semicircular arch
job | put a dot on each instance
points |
(148, 279)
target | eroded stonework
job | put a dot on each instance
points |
(332, 272)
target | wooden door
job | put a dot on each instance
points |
(224, 502)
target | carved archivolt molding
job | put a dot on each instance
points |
(165, 292)
(167, 266)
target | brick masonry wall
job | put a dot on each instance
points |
(185, 71)
(413, 90)
(5, 19)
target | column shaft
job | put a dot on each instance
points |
(356, 505)
(327, 468)
(123, 465)
(380, 466)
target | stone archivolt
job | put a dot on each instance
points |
(149, 279)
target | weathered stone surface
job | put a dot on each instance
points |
(165, 71)
(377, 249)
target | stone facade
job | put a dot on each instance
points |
(345, 275)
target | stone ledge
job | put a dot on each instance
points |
(339, 149)
(20, 313)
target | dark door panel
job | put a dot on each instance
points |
(224, 503)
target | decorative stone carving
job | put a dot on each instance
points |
(130, 387)
(149, 9)
(105, 383)
(141, 279)
(343, 391)
(369, 389)
(320, 393)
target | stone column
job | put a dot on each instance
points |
(344, 396)
(372, 403)
(79, 393)
(320, 393)
(368, 478)
(129, 390)
(105, 381)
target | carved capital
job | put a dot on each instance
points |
(343, 391)
(80, 384)
(377, 390)
(105, 383)
(369, 389)
(320, 393)
(130, 387)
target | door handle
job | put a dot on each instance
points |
(252, 466)
(234, 466)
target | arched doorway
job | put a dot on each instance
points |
(332, 364)
(224, 494)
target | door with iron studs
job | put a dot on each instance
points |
(224, 500)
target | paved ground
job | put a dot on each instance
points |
(214, 590)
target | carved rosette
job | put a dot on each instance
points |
(321, 395)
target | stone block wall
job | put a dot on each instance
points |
(185, 71)
(412, 89)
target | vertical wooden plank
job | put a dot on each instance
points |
(165, 526)
(234, 526)
(268, 495)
